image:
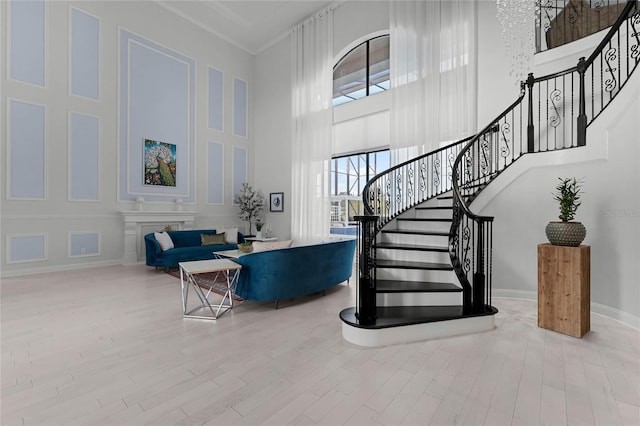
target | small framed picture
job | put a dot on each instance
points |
(276, 202)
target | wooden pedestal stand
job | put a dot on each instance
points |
(564, 289)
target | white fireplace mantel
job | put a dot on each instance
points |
(135, 220)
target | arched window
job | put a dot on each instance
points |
(362, 72)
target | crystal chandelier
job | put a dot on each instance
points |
(517, 18)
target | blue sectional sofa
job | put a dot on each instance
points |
(187, 247)
(295, 271)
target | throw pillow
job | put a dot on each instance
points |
(230, 235)
(164, 240)
(270, 245)
(209, 239)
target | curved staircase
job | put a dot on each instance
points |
(425, 258)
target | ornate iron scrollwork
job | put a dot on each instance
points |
(410, 183)
(469, 166)
(374, 198)
(423, 176)
(451, 158)
(597, 5)
(548, 7)
(611, 83)
(398, 188)
(436, 173)
(555, 97)
(485, 158)
(466, 243)
(387, 200)
(635, 23)
(505, 131)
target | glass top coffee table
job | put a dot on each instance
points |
(229, 254)
(188, 279)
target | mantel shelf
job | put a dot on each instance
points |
(153, 216)
(135, 220)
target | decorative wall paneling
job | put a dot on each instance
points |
(84, 55)
(215, 177)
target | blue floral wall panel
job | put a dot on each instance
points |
(27, 152)
(215, 178)
(240, 107)
(216, 99)
(85, 55)
(27, 37)
(240, 165)
(84, 244)
(84, 157)
(157, 102)
(26, 248)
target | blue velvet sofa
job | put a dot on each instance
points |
(187, 247)
(295, 271)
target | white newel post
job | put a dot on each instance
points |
(135, 220)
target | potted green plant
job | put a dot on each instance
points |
(259, 226)
(245, 247)
(566, 232)
(250, 202)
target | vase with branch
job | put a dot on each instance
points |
(250, 202)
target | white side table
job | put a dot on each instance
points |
(188, 271)
(264, 240)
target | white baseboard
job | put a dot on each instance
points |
(416, 332)
(60, 268)
(596, 308)
(616, 314)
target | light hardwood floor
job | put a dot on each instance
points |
(109, 346)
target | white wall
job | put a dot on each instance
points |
(610, 211)
(55, 216)
(364, 124)
(496, 88)
(522, 204)
(353, 21)
(273, 131)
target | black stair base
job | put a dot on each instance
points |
(399, 286)
(397, 316)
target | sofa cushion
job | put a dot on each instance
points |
(230, 235)
(207, 239)
(259, 246)
(164, 240)
(189, 238)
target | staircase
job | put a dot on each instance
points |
(425, 258)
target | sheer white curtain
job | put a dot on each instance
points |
(312, 88)
(433, 75)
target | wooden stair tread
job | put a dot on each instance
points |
(397, 286)
(412, 232)
(397, 316)
(410, 219)
(435, 208)
(395, 246)
(403, 264)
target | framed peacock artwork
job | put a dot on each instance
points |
(159, 163)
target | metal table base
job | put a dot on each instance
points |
(188, 272)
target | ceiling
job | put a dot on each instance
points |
(251, 25)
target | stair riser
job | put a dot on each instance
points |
(433, 214)
(414, 255)
(416, 275)
(423, 240)
(418, 299)
(407, 225)
(448, 202)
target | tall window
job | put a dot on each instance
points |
(349, 175)
(362, 72)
